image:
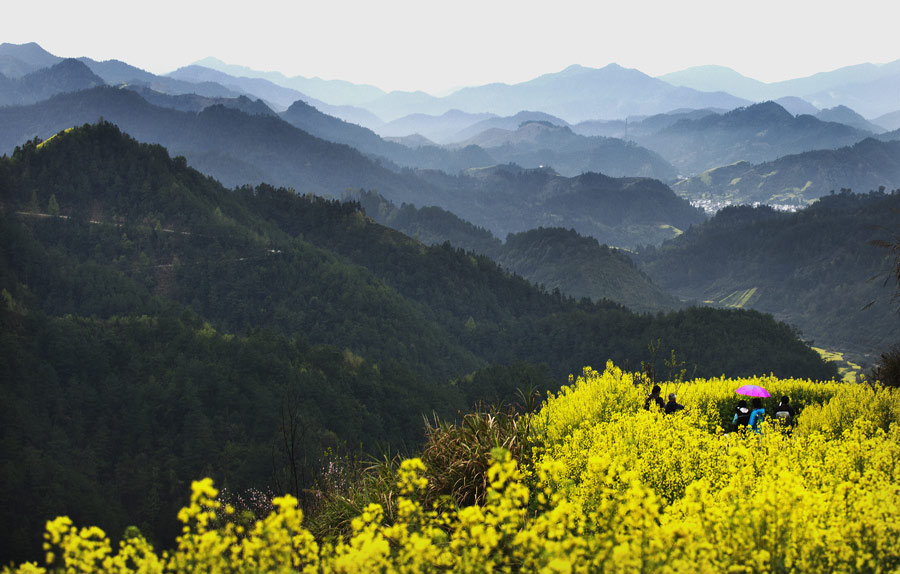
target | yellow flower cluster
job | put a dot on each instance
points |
(819, 497)
(610, 488)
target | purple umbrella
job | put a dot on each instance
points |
(753, 391)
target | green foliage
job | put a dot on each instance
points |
(53, 206)
(109, 418)
(580, 267)
(458, 456)
(553, 258)
(887, 369)
(169, 328)
(812, 268)
(430, 225)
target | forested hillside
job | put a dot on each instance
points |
(581, 267)
(816, 269)
(554, 258)
(158, 326)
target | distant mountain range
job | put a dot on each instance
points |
(698, 136)
(442, 129)
(797, 180)
(17, 60)
(867, 88)
(538, 143)
(507, 123)
(278, 97)
(335, 92)
(620, 212)
(580, 94)
(757, 133)
(311, 120)
(234, 147)
(848, 117)
(65, 76)
(575, 94)
(635, 127)
(238, 149)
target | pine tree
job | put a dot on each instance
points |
(53, 206)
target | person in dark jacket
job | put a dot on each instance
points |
(741, 417)
(672, 406)
(785, 412)
(654, 398)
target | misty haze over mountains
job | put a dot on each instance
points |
(611, 154)
(576, 94)
(867, 88)
(612, 120)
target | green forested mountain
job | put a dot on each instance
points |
(581, 267)
(430, 225)
(555, 258)
(797, 180)
(157, 327)
(815, 269)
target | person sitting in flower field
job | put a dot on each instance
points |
(741, 417)
(672, 406)
(757, 415)
(654, 398)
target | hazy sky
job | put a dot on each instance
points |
(437, 45)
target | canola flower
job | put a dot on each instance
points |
(609, 488)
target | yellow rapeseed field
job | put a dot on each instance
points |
(610, 487)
